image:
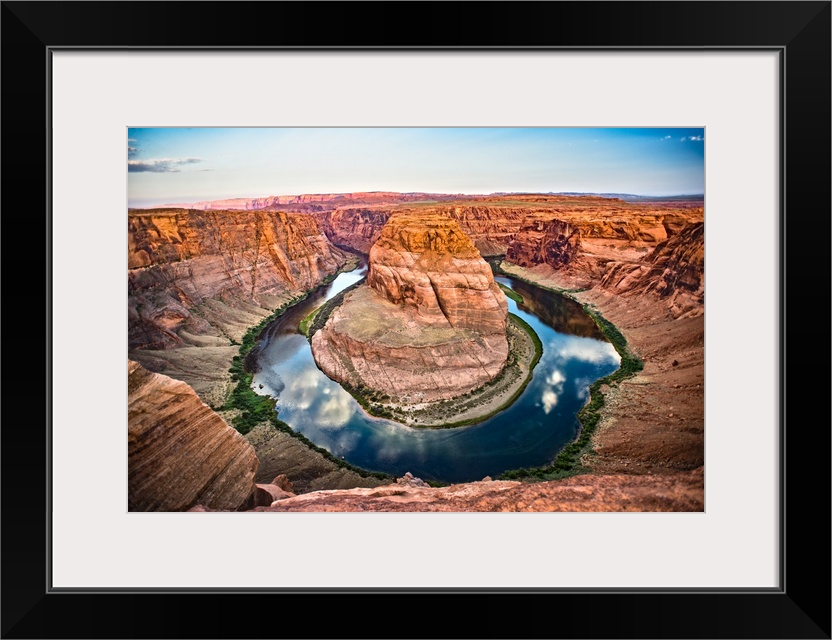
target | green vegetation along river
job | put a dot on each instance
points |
(529, 433)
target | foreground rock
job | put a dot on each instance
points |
(179, 452)
(680, 492)
(429, 325)
(305, 470)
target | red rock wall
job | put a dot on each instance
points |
(179, 452)
(674, 272)
(426, 262)
(177, 259)
(555, 243)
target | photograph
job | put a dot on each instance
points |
(448, 272)
(418, 319)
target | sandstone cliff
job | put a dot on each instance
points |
(674, 272)
(354, 228)
(552, 242)
(490, 228)
(187, 267)
(429, 325)
(179, 452)
(607, 226)
(426, 263)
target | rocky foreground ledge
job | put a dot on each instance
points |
(679, 492)
(183, 456)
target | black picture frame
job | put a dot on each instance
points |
(799, 31)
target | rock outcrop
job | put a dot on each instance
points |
(431, 322)
(678, 492)
(492, 228)
(354, 228)
(674, 272)
(180, 260)
(428, 265)
(179, 452)
(554, 242)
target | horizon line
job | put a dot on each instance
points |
(434, 193)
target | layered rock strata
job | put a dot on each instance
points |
(354, 228)
(674, 271)
(190, 270)
(609, 228)
(179, 452)
(428, 265)
(429, 325)
(552, 242)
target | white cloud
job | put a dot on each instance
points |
(595, 351)
(696, 138)
(159, 165)
(549, 399)
(582, 387)
(555, 378)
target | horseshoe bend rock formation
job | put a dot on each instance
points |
(179, 452)
(430, 323)
(426, 262)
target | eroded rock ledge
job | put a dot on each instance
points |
(429, 325)
(679, 492)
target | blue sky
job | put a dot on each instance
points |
(170, 165)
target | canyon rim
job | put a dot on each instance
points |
(455, 319)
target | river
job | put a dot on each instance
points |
(529, 433)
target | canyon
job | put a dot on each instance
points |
(200, 278)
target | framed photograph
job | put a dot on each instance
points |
(742, 89)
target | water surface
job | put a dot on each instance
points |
(530, 433)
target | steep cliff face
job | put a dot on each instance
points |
(552, 242)
(426, 263)
(431, 322)
(674, 272)
(491, 228)
(607, 226)
(179, 452)
(354, 228)
(179, 260)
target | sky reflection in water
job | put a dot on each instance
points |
(529, 433)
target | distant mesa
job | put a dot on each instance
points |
(430, 322)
